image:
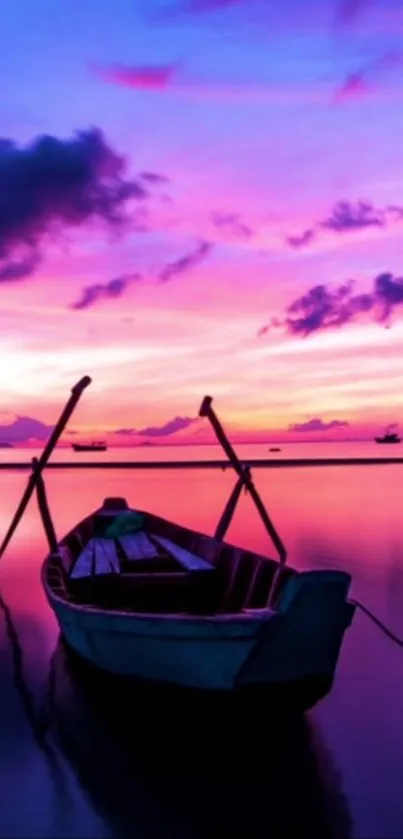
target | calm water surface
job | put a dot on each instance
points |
(159, 452)
(338, 774)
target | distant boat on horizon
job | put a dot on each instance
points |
(389, 437)
(89, 447)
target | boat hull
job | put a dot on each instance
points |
(82, 448)
(292, 652)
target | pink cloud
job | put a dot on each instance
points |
(22, 429)
(367, 80)
(138, 77)
(356, 86)
(167, 78)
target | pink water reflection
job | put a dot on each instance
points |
(345, 517)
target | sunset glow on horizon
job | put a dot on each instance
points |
(201, 196)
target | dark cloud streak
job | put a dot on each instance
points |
(166, 430)
(154, 178)
(322, 308)
(232, 223)
(300, 241)
(317, 424)
(93, 294)
(186, 263)
(345, 217)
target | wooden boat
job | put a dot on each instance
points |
(388, 437)
(89, 447)
(167, 604)
(141, 597)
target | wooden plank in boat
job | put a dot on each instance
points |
(84, 562)
(186, 559)
(106, 558)
(138, 546)
(98, 557)
(65, 557)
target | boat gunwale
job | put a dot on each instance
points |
(258, 616)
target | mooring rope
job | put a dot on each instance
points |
(378, 623)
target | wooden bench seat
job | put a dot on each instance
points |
(99, 557)
(187, 560)
(138, 546)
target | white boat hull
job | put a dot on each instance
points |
(214, 653)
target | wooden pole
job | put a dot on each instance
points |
(45, 510)
(76, 393)
(206, 410)
(230, 508)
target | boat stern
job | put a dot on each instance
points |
(305, 643)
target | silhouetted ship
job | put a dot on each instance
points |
(89, 447)
(389, 437)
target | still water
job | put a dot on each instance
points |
(337, 774)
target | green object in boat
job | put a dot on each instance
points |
(127, 522)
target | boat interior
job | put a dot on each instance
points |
(158, 567)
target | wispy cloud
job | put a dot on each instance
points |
(299, 241)
(174, 79)
(355, 86)
(93, 294)
(154, 178)
(186, 263)
(171, 427)
(317, 424)
(323, 308)
(19, 269)
(346, 217)
(147, 77)
(231, 224)
(53, 184)
(368, 79)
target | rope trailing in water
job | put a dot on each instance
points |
(378, 623)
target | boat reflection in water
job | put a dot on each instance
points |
(153, 765)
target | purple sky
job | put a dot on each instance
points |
(235, 156)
